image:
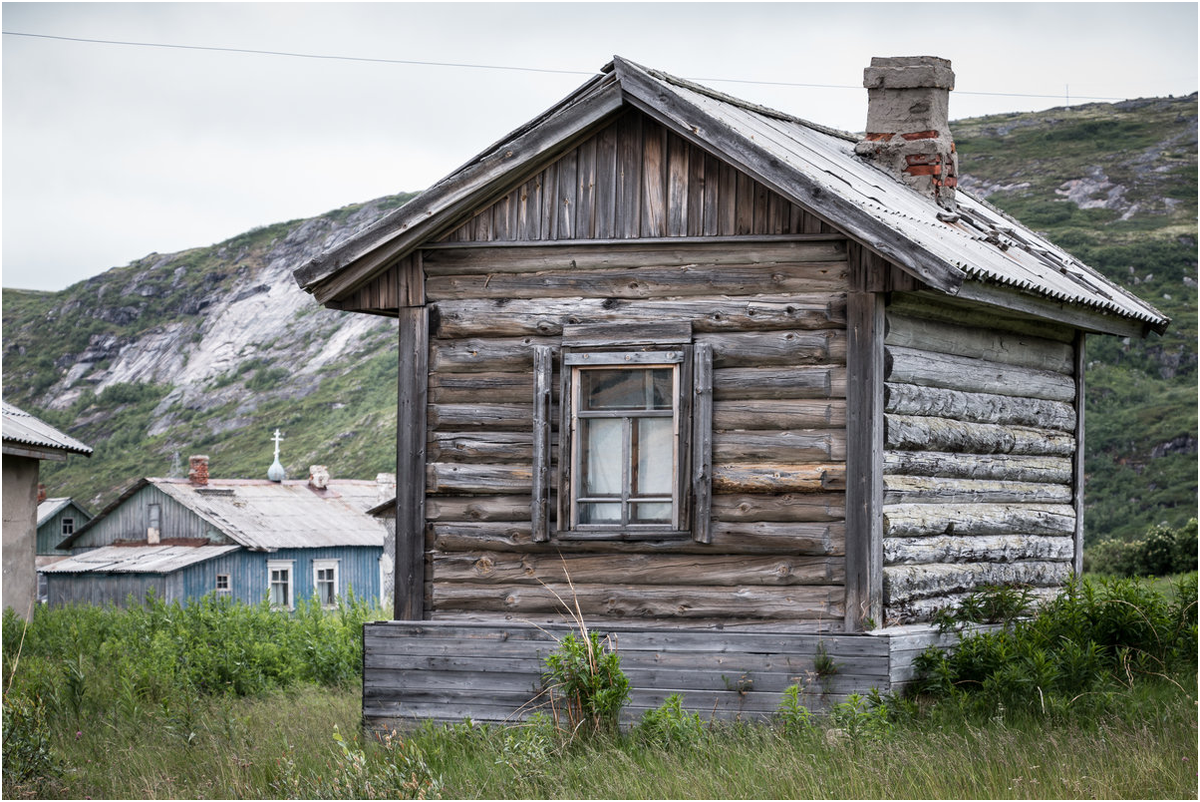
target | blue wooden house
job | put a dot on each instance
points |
(57, 519)
(247, 539)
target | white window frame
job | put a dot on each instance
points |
(228, 589)
(282, 565)
(325, 565)
(67, 526)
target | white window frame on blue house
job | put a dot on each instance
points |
(285, 580)
(331, 599)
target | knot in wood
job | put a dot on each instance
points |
(484, 566)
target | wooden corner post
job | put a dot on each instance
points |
(1078, 483)
(412, 394)
(864, 440)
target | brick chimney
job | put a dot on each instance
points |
(198, 470)
(41, 493)
(318, 477)
(908, 104)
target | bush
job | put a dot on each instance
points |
(586, 685)
(1161, 552)
(670, 726)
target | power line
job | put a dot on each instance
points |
(364, 59)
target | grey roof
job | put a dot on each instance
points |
(809, 164)
(22, 428)
(52, 506)
(136, 559)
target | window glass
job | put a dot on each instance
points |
(603, 440)
(655, 452)
(223, 583)
(68, 526)
(327, 586)
(281, 587)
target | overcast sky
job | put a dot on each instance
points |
(112, 152)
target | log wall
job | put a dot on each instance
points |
(979, 456)
(773, 312)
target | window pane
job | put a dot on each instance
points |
(613, 389)
(602, 448)
(599, 513)
(663, 388)
(656, 513)
(655, 475)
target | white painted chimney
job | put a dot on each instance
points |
(318, 477)
(908, 135)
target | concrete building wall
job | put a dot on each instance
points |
(20, 533)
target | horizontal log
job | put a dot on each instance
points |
(497, 388)
(942, 490)
(913, 366)
(777, 478)
(455, 479)
(481, 416)
(789, 507)
(980, 548)
(904, 582)
(980, 343)
(482, 508)
(764, 348)
(1010, 467)
(485, 355)
(923, 520)
(633, 601)
(727, 538)
(646, 282)
(769, 414)
(546, 317)
(912, 399)
(941, 309)
(818, 445)
(497, 447)
(507, 568)
(913, 433)
(485, 260)
(819, 381)
(916, 610)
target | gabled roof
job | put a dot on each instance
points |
(136, 559)
(28, 436)
(53, 506)
(971, 254)
(266, 516)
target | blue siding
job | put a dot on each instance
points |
(358, 569)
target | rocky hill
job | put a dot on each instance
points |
(209, 350)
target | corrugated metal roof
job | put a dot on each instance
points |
(983, 243)
(260, 514)
(21, 427)
(136, 559)
(49, 508)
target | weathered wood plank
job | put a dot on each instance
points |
(694, 570)
(645, 282)
(911, 399)
(491, 447)
(972, 315)
(1077, 485)
(606, 183)
(979, 343)
(634, 601)
(912, 366)
(629, 176)
(760, 349)
(770, 414)
(905, 582)
(677, 207)
(585, 190)
(911, 433)
(943, 490)
(979, 548)
(412, 393)
(1010, 467)
(778, 478)
(485, 355)
(463, 388)
(790, 507)
(779, 383)
(923, 520)
(701, 448)
(819, 446)
(481, 416)
(518, 318)
(543, 375)
(654, 181)
(483, 508)
(820, 538)
(455, 478)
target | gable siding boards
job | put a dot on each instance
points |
(773, 314)
(129, 521)
(979, 455)
(49, 533)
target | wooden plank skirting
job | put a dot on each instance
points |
(487, 671)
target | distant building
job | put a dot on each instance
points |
(27, 441)
(57, 518)
(248, 539)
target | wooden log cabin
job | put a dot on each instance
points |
(740, 387)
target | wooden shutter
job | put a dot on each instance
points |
(543, 372)
(701, 445)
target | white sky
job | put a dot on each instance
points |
(112, 152)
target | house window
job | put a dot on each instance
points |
(279, 589)
(68, 526)
(635, 418)
(223, 588)
(325, 581)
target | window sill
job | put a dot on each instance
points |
(622, 534)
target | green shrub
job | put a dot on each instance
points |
(1161, 552)
(586, 686)
(670, 726)
(792, 716)
(29, 760)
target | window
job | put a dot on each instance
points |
(279, 589)
(325, 581)
(223, 588)
(634, 433)
(68, 526)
